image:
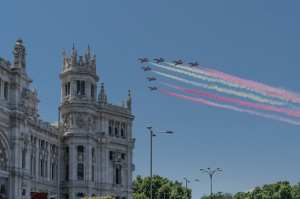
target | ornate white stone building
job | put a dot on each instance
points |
(96, 137)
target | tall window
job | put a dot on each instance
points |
(123, 156)
(92, 90)
(42, 169)
(118, 175)
(23, 158)
(6, 91)
(116, 131)
(68, 88)
(52, 171)
(80, 172)
(67, 149)
(122, 133)
(80, 88)
(110, 155)
(67, 196)
(92, 172)
(109, 130)
(67, 172)
(80, 149)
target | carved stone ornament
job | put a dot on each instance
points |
(24, 100)
(80, 122)
(3, 158)
(80, 157)
(92, 122)
(66, 123)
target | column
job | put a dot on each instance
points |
(48, 162)
(37, 158)
(73, 86)
(88, 90)
(72, 163)
(27, 160)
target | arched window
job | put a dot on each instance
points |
(6, 91)
(68, 88)
(82, 88)
(116, 131)
(80, 196)
(122, 133)
(67, 196)
(67, 172)
(80, 172)
(123, 156)
(78, 88)
(92, 90)
(109, 130)
(117, 197)
(93, 195)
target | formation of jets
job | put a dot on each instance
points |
(150, 79)
(194, 64)
(178, 62)
(162, 60)
(159, 60)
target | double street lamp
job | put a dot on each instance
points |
(153, 135)
(186, 181)
(210, 173)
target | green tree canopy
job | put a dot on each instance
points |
(160, 186)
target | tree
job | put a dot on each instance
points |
(219, 195)
(160, 186)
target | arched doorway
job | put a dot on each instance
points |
(38, 196)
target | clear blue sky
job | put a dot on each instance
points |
(256, 40)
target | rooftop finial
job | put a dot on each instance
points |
(128, 100)
(73, 46)
(19, 41)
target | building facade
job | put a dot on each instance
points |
(95, 136)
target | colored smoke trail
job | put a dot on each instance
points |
(242, 103)
(238, 82)
(224, 90)
(255, 85)
(274, 117)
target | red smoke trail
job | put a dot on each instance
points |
(242, 103)
(255, 85)
(274, 117)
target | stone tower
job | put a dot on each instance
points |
(96, 149)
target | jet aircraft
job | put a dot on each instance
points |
(144, 68)
(178, 62)
(159, 60)
(150, 79)
(152, 88)
(194, 64)
(144, 60)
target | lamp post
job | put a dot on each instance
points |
(153, 135)
(210, 173)
(186, 181)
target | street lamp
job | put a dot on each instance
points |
(186, 181)
(153, 135)
(210, 173)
